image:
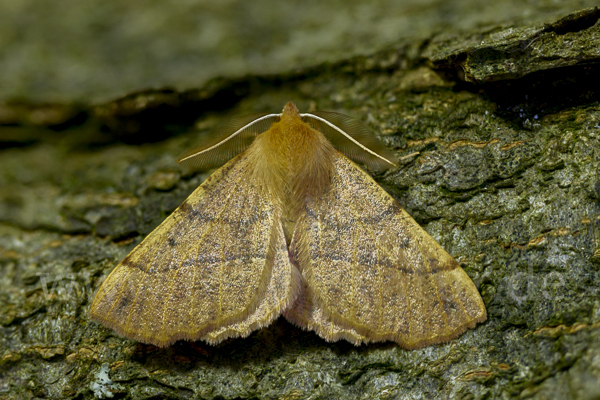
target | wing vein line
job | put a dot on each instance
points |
(120, 291)
(221, 273)
(367, 229)
(137, 292)
(459, 300)
(267, 255)
(354, 261)
(192, 288)
(327, 312)
(320, 225)
(406, 299)
(437, 292)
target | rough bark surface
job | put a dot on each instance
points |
(498, 128)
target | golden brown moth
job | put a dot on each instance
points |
(289, 226)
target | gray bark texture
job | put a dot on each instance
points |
(494, 110)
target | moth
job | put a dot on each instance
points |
(289, 226)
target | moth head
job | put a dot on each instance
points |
(290, 110)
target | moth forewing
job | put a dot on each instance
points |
(372, 274)
(205, 270)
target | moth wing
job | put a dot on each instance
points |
(208, 266)
(372, 273)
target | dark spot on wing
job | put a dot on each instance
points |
(122, 303)
(188, 210)
(405, 242)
